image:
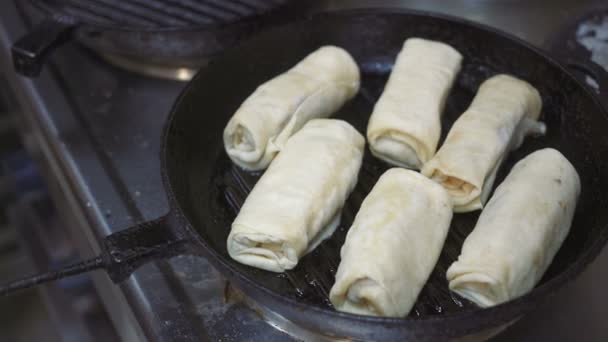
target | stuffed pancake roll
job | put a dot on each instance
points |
(503, 112)
(316, 87)
(297, 202)
(519, 231)
(392, 246)
(405, 125)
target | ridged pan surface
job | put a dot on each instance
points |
(210, 189)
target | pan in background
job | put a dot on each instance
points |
(157, 33)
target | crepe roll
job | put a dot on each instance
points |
(519, 232)
(298, 201)
(504, 111)
(316, 87)
(392, 246)
(405, 125)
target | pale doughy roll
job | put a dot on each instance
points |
(405, 126)
(316, 87)
(504, 111)
(298, 201)
(392, 246)
(519, 231)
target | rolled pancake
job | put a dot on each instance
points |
(392, 246)
(504, 111)
(519, 231)
(297, 203)
(316, 87)
(405, 125)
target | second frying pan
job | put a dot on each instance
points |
(206, 190)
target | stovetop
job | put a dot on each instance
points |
(98, 129)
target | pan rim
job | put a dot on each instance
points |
(507, 311)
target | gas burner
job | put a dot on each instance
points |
(168, 72)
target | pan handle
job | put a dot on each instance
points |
(590, 69)
(30, 51)
(123, 252)
(127, 250)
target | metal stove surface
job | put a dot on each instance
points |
(97, 130)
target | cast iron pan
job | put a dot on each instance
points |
(206, 190)
(173, 33)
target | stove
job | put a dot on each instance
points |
(94, 129)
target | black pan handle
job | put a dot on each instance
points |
(31, 50)
(127, 250)
(123, 252)
(591, 69)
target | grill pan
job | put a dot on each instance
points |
(181, 33)
(157, 14)
(205, 189)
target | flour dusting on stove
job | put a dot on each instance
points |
(593, 35)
